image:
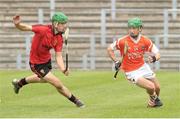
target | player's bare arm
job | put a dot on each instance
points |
(60, 62)
(158, 56)
(21, 26)
(111, 53)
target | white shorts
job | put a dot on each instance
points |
(144, 71)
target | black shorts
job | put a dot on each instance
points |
(41, 69)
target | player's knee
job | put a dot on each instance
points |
(157, 88)
(60, 87)
(57, 84)
(151, 87)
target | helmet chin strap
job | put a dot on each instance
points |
(54, 28)
(55, 31)
(134, 36)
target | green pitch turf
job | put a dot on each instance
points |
(103, 96)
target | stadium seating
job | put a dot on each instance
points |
(84, 20)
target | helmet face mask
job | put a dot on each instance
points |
(134, 32)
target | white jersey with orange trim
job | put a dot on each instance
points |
(133, 57)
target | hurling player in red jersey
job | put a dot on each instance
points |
(132, 48)
(46, 37)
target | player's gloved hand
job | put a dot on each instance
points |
(152, 59)
(66, 72)
(117, 65)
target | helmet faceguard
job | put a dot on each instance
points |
(58, 18)
(135, 23)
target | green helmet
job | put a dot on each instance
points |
(135, 22)
(59, 17)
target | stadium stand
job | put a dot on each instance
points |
(85, 20)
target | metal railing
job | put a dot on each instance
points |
(166, 22)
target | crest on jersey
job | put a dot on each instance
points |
(143, 47)
(136, 48)
(54, 42)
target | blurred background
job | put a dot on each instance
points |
(94, 24)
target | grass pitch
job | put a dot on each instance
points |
(103, 96)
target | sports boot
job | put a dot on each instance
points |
(16, 86)
(79, 104)
(158, 102)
